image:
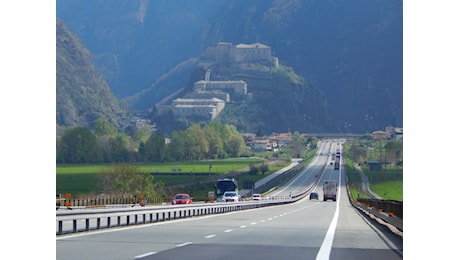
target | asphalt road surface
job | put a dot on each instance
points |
(307, 229)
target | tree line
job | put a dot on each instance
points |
(105, 144)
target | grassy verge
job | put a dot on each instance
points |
(387, 183)
(392, 190)
(83, 179)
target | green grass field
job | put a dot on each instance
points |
(82, 179)
(387, 183)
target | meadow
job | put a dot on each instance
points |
(386, 183)
(82, 179)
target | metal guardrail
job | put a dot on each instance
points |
(389, 211)
(143, 215)
(74, 222)
(393, 207)
(387, 216)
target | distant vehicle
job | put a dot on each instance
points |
(336, 165)
(223, 185)
(181, 198)
(330, 190)
(314, 196)
(230, 196)
(256, 196)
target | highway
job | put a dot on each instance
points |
(306, 229)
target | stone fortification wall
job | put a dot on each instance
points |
(208, 95)
(237, 87)
(224, 53)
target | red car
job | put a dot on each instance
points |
(182, 198)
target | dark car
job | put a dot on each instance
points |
(314, 195)
(182, 198)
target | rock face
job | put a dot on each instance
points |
(82, 96)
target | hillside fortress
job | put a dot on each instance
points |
(209, 97)
(225, 53)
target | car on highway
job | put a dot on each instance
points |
(230, 196)
(256, 196)
(181, 198)
(314, 196)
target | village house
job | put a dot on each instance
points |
(261, 145)
(280, 139)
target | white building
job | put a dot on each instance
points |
(206, 108)
(237, 88)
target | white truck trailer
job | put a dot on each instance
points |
(330, 190)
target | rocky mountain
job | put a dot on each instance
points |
(82, 95)
(349, 51)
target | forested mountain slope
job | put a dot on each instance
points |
(350, 51)
(82, 95)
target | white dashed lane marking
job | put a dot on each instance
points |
(184, 244)
(145, 255)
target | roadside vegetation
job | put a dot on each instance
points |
(105, 161)
(194, 177)
(385, 177)
(83, 178)
(106, 144)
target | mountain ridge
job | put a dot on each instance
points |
(350, 52)
(82, 96)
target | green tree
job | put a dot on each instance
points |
(79, 145)
(177, 147)
(127, 180)
(296, 146)
(142, 134)
(115, 148)
(234, 142)
(393, 151)
(313, 141)
(103, 127)
(253, 169)
(119, 148)
(59, 151)
(359, 154)
(235, 145)
(141, 153)
(196, 144)
(214, 137)
(264, 168)
(155, 148)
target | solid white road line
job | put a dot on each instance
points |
(326, 246)
(184, 244)
(144, 255)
